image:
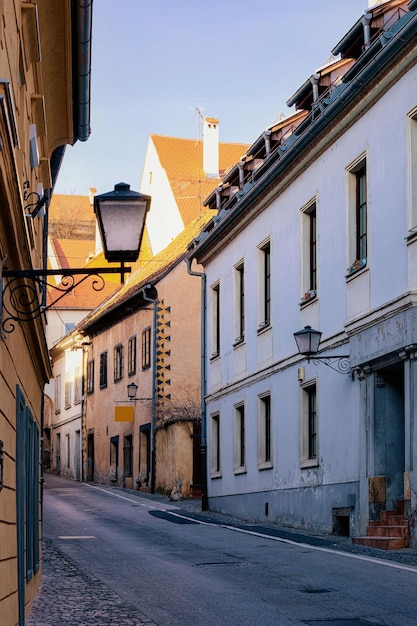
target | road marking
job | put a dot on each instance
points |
(134, 499)
(77, 537)
(359, 557)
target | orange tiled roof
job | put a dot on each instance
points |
(81, 297)
(84, 296)
(72, 252)
(153, 269)
(71, 207)
(182, 160)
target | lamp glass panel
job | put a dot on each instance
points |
(122, 228)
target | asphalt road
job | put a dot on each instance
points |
(178, 568)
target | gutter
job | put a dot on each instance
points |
(82, 24)
(345, 94)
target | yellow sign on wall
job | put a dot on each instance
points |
(124, 413)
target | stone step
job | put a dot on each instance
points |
(387, 531)
(383, 543)
(391, 518)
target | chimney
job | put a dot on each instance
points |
(91, 193)
(211, 147)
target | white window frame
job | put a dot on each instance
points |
(57, 398)
(306, 458)
(264, 282)
(265, 447)
(354, 263)
(309, 290)
(412, 172)
(239, 301)
(215, 446)
(239, 439)
(215, 317)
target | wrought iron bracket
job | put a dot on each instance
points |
(22, 292)
(340, 364)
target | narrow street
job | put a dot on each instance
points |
(118, 557)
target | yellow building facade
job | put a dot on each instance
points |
(45, 73)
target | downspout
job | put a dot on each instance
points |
(314, 80)
(203, 443)
(153, 414)
(267, 139)
(366, 23)
(83, 24)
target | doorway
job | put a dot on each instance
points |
(90, 456)
(389, 431)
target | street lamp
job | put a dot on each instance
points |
(121, 216)
(308, 341)
(131, 391)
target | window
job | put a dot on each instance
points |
(309, 426)
(412, 172)
(309, 251)
(118, 363)
(361, 220)
(146, 348)
(264, 432)
(27, 491)
(264, 287)
(114, 455)
(69, 326)
(239, 456)
(215, 446)
(128, 455)
(358, 221)
(67, 390)
(68, 455)
(58, 393)
(77, 386)
(131, 356)
(239, 302)
(215, 320)
(103, 370)
(90, 376)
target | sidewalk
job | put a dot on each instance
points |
(69, 596)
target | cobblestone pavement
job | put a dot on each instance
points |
(69, 596)
(85, 601)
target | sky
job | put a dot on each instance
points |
(156, 62)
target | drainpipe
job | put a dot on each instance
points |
(203, 443)
(366, 23)
(241, 167)
(153, 415)
(314, 80)
(218, 191)
(267, 138)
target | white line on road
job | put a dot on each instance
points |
(359, 557)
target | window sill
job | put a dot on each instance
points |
(216, 475)
(308, 298)
(358, 267)
(263, 327)
(239, 470)
(214, 356)
(239, 341)
(266, 465)
(412, 236)
(309, 463)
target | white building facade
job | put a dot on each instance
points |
(322, 233)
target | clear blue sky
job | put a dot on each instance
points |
(155, 61)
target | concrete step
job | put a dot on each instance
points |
(387, 531)
(383, 543)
